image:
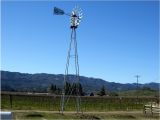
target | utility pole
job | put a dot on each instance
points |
(137, 78)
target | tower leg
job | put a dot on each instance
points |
(78, 99)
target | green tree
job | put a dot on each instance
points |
(52, 88)
(74, 89)
(102, 91)
(80, 88)
(77, 89)
(67, 88)
(91, 94)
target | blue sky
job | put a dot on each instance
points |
(116, 40)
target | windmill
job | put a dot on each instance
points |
(75, 19)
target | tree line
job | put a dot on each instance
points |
(69, 89)
(73, 89)
(54, 89)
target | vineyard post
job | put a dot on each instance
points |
(109, 103)
(85, 102)
(120, 103)
(10, 99)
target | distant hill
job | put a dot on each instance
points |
(39, 82)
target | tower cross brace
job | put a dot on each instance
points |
(73, 45)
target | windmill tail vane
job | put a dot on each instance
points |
(58, 11)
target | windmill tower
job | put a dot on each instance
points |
(75, 19)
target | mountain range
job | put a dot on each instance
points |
(11, 81)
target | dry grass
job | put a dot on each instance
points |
(113, 115)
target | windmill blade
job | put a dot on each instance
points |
(80, 10)
(58, 11)
(80, 16)
(80, 13)
(79, 21)
(76, 9)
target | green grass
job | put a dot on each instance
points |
(49, 116)
(86, 116)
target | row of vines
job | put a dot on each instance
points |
(51, 102)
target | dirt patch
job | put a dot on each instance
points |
(123, 116)
(88, 117)
(34, 115)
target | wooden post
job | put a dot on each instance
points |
(10, 100)
(120, 101)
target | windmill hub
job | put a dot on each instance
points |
(74, 20)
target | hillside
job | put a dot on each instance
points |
(40, 82)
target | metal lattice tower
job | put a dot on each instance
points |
(75, 19)
(137, 78)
